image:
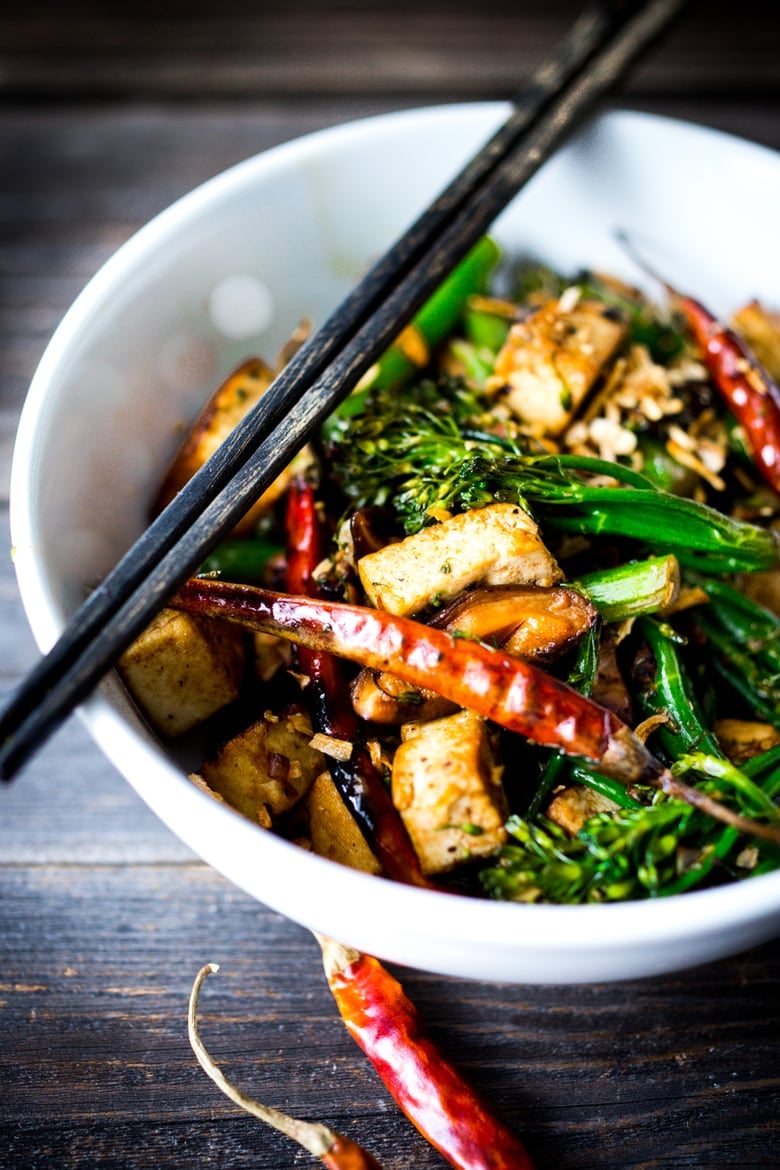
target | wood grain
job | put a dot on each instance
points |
(96, 1068)
(107, 114)
(451, 48)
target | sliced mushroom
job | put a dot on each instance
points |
(532, 622)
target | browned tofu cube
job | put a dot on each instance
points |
(446, 785)
(333, 831)
(182, 669)
(572, 807)
(550, 361)
(267, 769)
(227, 406)
(495, 545)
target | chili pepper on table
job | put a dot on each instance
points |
(431, 1092)
(334, 1151)
(506, 690)
(326, 693)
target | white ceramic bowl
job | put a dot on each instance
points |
(145, 343)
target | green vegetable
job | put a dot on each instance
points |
(662, 470)
(744, 642)
(668, 692)
(640, 587)
(243, 561)
(485, 330)
(654, 850)
(431, 448)
(650, 849)
(558, 767)
(633, 853)
(435, 320)
(477, 363)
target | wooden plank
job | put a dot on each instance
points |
(95, 969)
(454, 48)
(115, 169)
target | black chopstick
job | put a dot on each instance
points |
(607, 41)
(588, 33)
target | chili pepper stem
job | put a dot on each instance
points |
(511, 692)
(672, 786)
(312, 1136)
(336, 956)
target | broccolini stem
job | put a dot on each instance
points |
(670, 693)
(743, 671)
(641, 587)
(745, 641)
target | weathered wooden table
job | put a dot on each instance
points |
(106, 115)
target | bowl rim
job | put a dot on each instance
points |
(557, 928)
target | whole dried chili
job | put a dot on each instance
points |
(750, 393)
(431, 1092)
(511, 692)
(327, 695)
(506, 690)
(745, 386)
(332, 1149)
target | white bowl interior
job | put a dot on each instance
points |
(148, 339)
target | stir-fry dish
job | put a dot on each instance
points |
(510, 624)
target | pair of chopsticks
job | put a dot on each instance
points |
(598, 50)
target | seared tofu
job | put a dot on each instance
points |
(224, 410)
(551, 360)
(333, 832)
(495, 545)
(572, 807)
(446, 785)
(267, 769)
(182, 669)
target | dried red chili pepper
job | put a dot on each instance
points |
(332, 1149)
(431, 1092)
(746, 387)
(507, 690)
(327, 695)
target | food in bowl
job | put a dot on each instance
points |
(552, 484)
(141, 350)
